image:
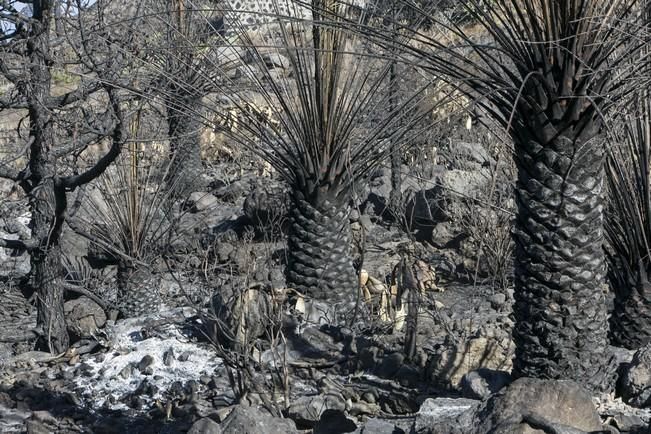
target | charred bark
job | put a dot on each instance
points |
(320, 263)
(184, 127)
(560, 310)
(46, 203)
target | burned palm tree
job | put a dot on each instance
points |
(326, 98)
(628, 228)
(547, 70)
(180, 50)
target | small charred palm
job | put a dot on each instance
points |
(628, 228)
(240, 317)
(631, 317)
(138, 290)
(411, 329)
(319, 250)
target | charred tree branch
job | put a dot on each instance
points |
(118, 138)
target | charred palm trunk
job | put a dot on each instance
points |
(560, 310)
(138, 290)
(183, 176)
(319, 249)
(631, 318)
(47, 200)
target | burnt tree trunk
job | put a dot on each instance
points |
(320, 261)
(47, 200)
(560, 310)
(184, 127)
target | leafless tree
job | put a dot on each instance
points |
(60, 126)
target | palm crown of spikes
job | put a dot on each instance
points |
(250, 15)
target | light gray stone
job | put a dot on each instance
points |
(253, 420)
(205, 426)
(561, 404)
(200, 201)
(635, 384)
(452, 360)
(308, 409)
(378, 426)
(445, 415)
(84, 317)
(482, 383)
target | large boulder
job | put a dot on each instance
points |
(254, 420)
(635, 382)
(535, 406)
(205, 426)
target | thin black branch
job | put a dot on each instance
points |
(19, 245)
(118, 138)
(81, 93)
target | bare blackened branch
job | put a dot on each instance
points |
(19, 245)
(118, 138)
(79, 94)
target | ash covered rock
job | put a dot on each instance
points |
(200, 201)
(135, 365)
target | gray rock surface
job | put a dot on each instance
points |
(452, 360)
(482, 383)
(378, 426)
(635, 383)
(529, 402)
(307, 410)
(84, 317)
(205, 426)
(445, 416)
(200, 201)
(253, 420)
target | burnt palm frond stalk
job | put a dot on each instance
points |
(548, 70)
(628, 228)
